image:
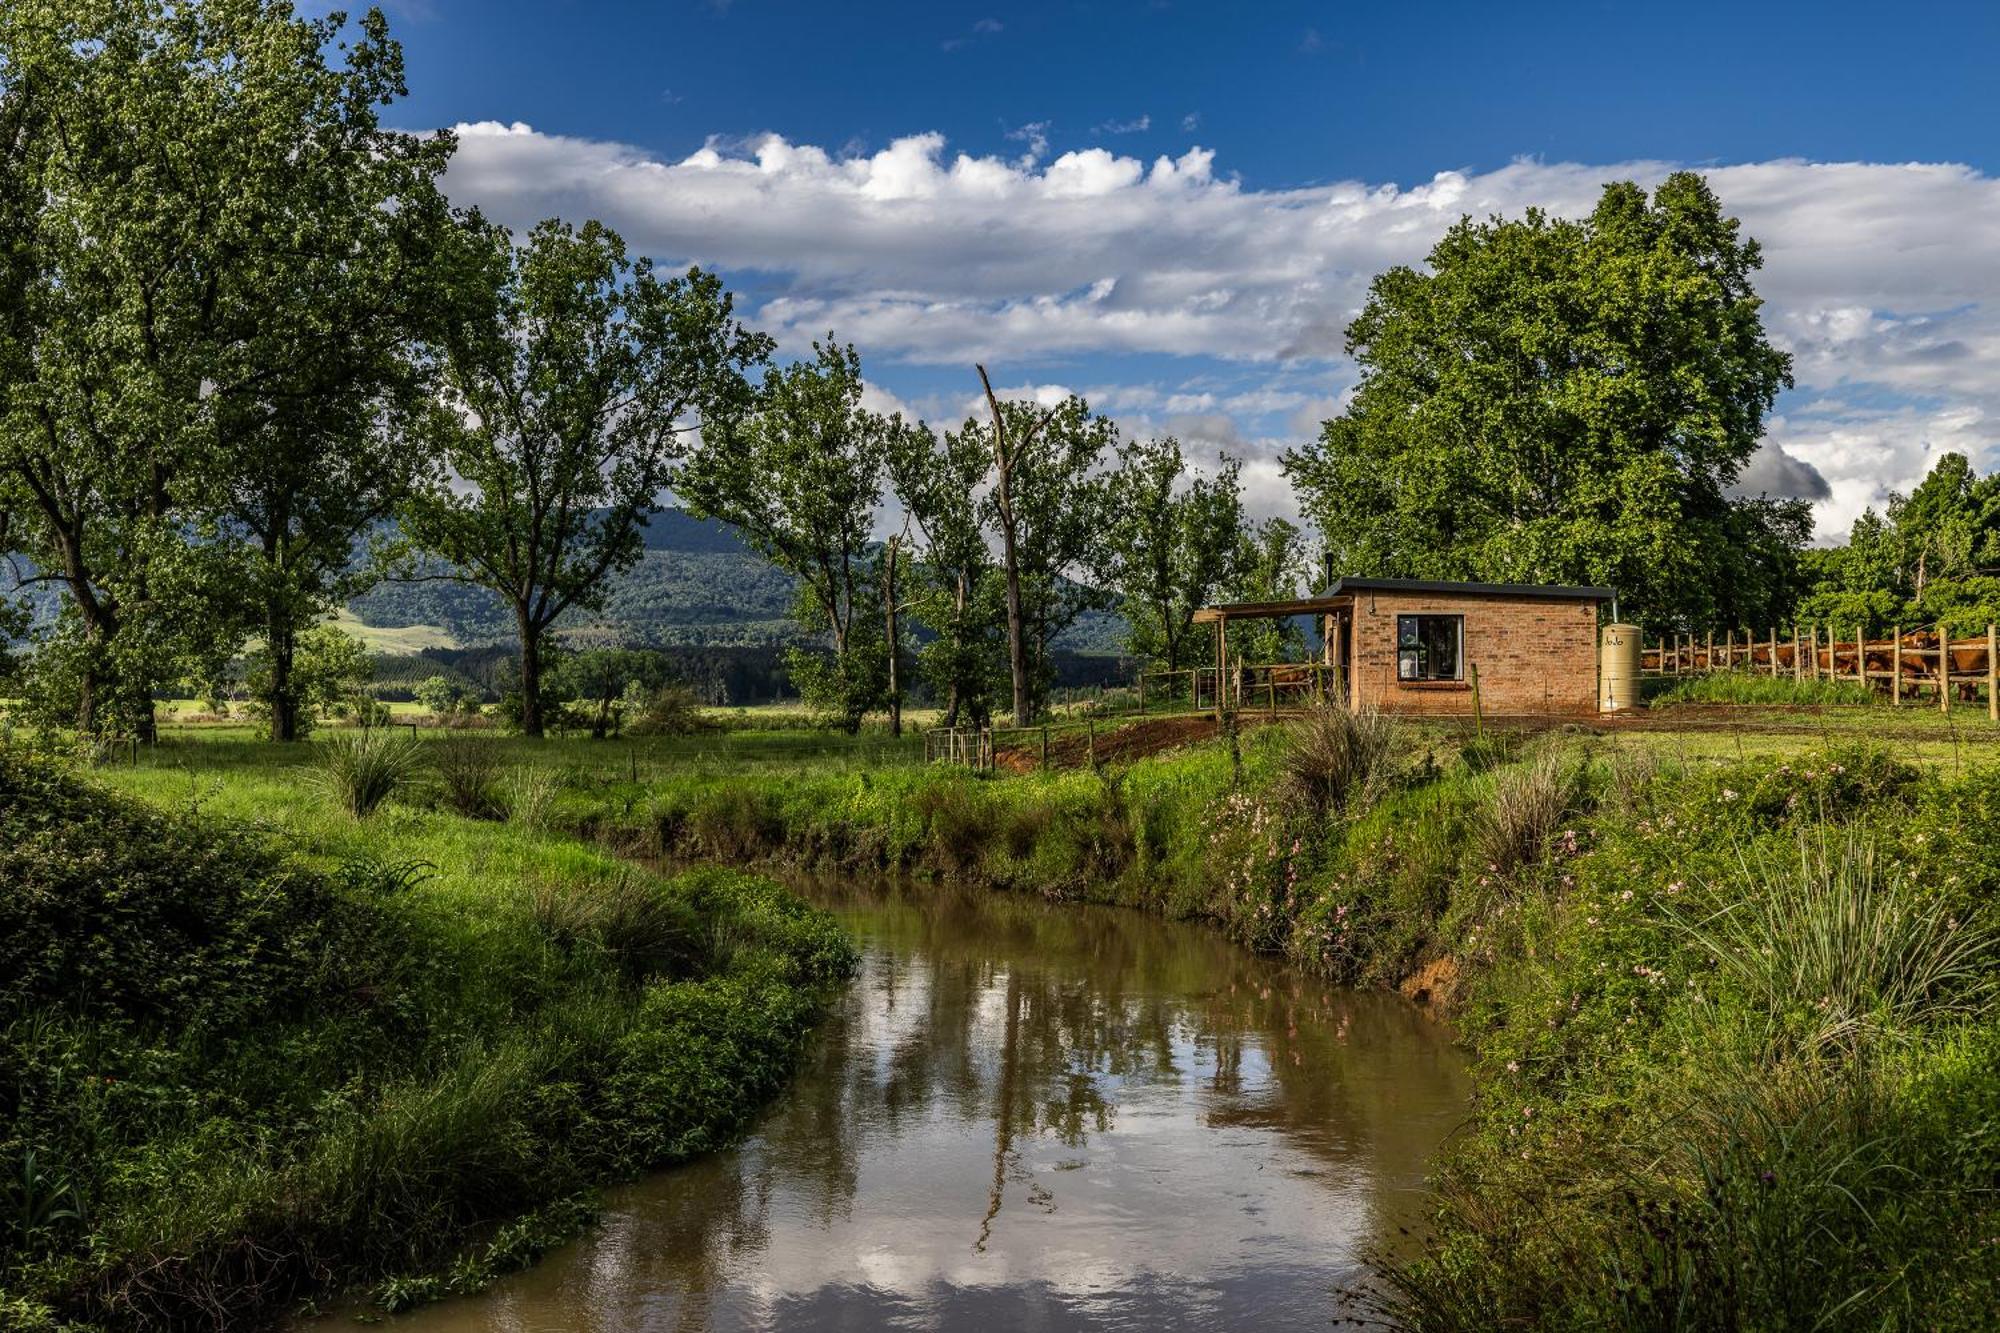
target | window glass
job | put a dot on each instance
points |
(1430, 647)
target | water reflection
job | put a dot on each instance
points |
(1038, 1117)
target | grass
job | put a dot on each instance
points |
(261, 1051)
(1728, 988)
(1745, 687)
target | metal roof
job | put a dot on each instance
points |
(1555, 592)
(1342, 594)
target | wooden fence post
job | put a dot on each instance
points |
(1045, 743)
(1992, 672)
(1896, 669)
(1774, 652)
(1944, 667)
(1798, 656)
(1090, 736)
(1708, 662)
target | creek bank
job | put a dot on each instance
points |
(245, 1076)
(1663, 1131)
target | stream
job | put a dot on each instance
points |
(1026, 1115)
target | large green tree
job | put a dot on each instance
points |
(955, 589)
(1931, 555)
(801, 478)
(571, 378)
(1172, 543)
(1046, 505)
(197, 194)
(1557, 400)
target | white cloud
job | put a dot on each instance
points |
(1137, 125)
(1883, 279)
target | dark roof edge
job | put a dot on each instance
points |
(1551, 591)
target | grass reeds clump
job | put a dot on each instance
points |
(1830, 948)
(1531, 803)
(529, 794)
(468, 774)
(363, 769)
(1337, 759)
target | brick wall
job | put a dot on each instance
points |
(1535, 655)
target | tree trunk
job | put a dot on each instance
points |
(284, 702)
(895, 642)
(531, 678)
(1017, 646)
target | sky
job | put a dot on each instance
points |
(1176, 208)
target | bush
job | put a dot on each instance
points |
(1530, 803)
(1338, 759)
(671, 710)
(363, 770)
(468, 773)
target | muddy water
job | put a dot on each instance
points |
(1029, 1116)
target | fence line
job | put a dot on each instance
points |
(1901, 664)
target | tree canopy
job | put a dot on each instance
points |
(1566, 401)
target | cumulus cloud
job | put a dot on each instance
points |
(1882, 279)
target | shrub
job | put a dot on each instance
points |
(363, 770)
(1337, 759)
(468, 773)
(671, 710)
(1530, 802)
(1826, 948)
(531, 796)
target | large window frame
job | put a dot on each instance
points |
(1430, 648)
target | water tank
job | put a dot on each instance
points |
(1618, 669)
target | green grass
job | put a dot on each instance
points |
(1746, 687)
(261, 1051)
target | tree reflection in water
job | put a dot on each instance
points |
(1032, 1114)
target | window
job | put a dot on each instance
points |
(1430, 647)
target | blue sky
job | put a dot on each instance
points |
(1176, 207)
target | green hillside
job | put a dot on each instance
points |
(698, 585)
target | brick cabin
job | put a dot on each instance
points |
(1411, 646)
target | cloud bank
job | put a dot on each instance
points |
(1882, 279)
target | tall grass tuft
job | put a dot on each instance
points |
(1529, 804)
(531, 796)
(646, 932)
(1338, 760)
(468, 773)
(1830, 951)
(363, 770)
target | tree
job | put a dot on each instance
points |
(441, 695)
(936, 479)
(1172, 546)
(330, 669)
(182, 184)
(570, 384)
(600, 679)
(1931, 555)
(1269, 563)
(800, 478)
(1561, 401)
(1047, 507)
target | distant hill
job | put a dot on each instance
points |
(697, 585)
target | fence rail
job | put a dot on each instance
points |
(1902, 664)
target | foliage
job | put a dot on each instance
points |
(200, 209)
(1269, 565)
(468, 775)
(800, 478)
(1171, 546)
(366, 1076)
(1930, 556)
(1560, 401)
(1046, 505)
(571, 375)
(1749, 687)
(670, 710)
(361, 770)
(328, 672)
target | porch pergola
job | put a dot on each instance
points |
(1329, 610)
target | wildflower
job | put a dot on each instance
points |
(1728, 794)
(1513, 1066)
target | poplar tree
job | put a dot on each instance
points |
(572, 379)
